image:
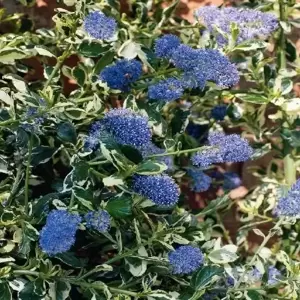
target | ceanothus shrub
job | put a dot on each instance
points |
(95, 184)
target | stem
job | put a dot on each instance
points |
(27, 175)
(181, 27)
(163, 72)
(15, 185)
(26, 272)
(178, 152)
(263, 244)
(60, 61)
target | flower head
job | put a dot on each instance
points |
(273, 274)
(206, 65)
(127, 127)
(206, 158)
(161, 189)
(121, 74)
(166, 90)
(185, 259)
(231, 181)
(99, 26)
(58, 235)
(98, 220)
(289, 206)
(201, 181)
(165, 46)
(232, 147)
(219, 112)
(193, 79)
(251, 23)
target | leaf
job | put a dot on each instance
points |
(41, 155)
(251, 45)
(119, 207)
(79, 74)
(31, 232)
(59, 290)
(167, 12)
(105, 60)
(84, 196)
(17, 81)
(253, 295)
(150, 167)
(75, 113)
(69, 259)
(214, 205)
(205, 276)
(27, 293)
(129, 49)
(67, 132)
(253, 98)
(137, 267)
(91, 49)
(4, 97)
(43, 52)
(9, 55)
(5, 293)
(112, 181)
(223, 255)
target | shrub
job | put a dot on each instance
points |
(92, 201)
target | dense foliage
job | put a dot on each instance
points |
(93, 183)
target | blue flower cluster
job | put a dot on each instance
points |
(289, 206)
(127, 127)
(219, 112)
(151, 149)
(58, 235)
(98, 220)
(160, 189)
(185, 259)
(166, 90)
(251, 23)
(229, 148)
(231, 181)
(206, 64)
(165, 46)
(121, 74)
(99, 26)
(200, 181)
(273, 275)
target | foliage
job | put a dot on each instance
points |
(90, 181)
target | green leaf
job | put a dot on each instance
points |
(67, 132)
(27, 293)
(69, 259)
(253, 98)
(214, 205)
(59, 290)
(9, 55)
(5, 293)
(43, 51)
(105, 60)
(31, 232)
(251, 45)
(84, 196)
(167, 12)
(91, 49)
(223, 255)
(205, 276)
(253, 295)
(75, 113)
(150, 168)
(41, 155)
(119, 207)
(79, 74)
(112, 181)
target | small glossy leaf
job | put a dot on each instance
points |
(69, 259)
(204, 276)
(253, 98)
(119, 207)
(67, 132)
(41, 155)
(150, 167)
(91, 49)
(5, 293)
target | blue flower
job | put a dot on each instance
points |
(254, 275)
(289, 206)
(92, 141)
(151, 149)
(206, 158)
(193, 79)
(98, 220)
(273, 275)
(121, 74)
(160, 189)
(185, 58)
(165, 46)
(99, 26)
(251, 23)
(166, 90)
(232, 147)
(231, 181)
(201, 181)
(127, 127)
(185, 259)
(206, 64)
(58, 235)
(219, 112)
